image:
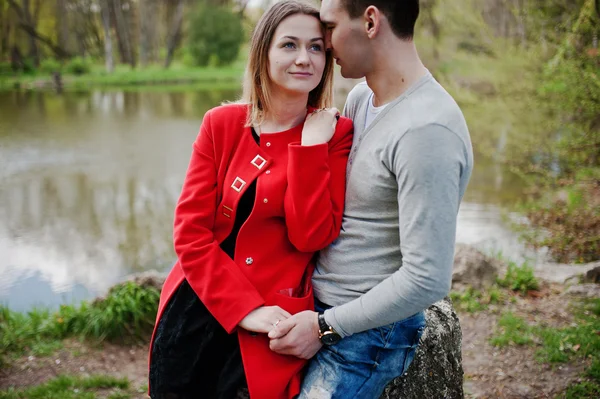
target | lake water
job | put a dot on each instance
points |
(89, 181)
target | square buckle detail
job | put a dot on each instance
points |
(238, 184)
(258, 161)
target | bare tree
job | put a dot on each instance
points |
(34, 52)
(5, 28)
(108, 50)
(174, 36)
(62, 24)
(28, 23)
(123, 33)
(148, 20)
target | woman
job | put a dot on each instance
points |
(263, 192)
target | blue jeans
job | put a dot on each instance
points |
(361, 365)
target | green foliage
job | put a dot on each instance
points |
(5, 69)
(78, 66)
(28, 67)
(583, 390)
(127, 313)
(69, 387)
(519, 278)
(513, 330)
(567, 221)
(472, 300)
(50, 65)
(559, 345)
(216, 34)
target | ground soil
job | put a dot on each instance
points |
(514, 372)
(490, 372)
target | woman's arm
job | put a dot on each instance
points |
(227, 293)
(314, 200)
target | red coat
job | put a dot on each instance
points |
(297, 211)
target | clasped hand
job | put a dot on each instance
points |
(296, 335)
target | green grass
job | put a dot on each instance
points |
(519, 278)
(580, 340)
(126, 314)
(513, 331)
(472, 300)
(124, 76)
(69, 387)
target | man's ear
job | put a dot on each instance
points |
(372, 17)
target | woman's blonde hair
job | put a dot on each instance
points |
(257, 83)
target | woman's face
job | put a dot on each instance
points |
(297, 55)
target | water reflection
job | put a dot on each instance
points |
(89, 180)
(88, 184)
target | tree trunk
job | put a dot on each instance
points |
(148, 20)
(4, 29)
(62, 24)
(123, 35)
(108, 51)
(174, 33)
(34, 52)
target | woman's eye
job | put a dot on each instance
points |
(289, 45)
(316, 47)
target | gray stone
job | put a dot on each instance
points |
(473, 269)
(584, 290)
(436, 371)
(150, 278)
(564, 273)
(593, 275)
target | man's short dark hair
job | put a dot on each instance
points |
(402, 14)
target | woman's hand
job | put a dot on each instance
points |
(263, 319)
(320, 126)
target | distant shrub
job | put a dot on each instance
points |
(5, 69)
(50, 65)
(28, 66)
(216, 34)
(78, 66)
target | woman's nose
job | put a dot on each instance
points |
(302, 58)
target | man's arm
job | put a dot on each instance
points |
(428, 164)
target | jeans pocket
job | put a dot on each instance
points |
(405, 333)
(410, 353)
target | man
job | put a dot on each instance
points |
(408, 169)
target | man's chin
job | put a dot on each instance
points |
(346, 74)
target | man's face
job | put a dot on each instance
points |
(347, 39)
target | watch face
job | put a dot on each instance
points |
(330, 338)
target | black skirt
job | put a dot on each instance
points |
(192, 354)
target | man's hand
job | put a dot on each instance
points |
(297, 336)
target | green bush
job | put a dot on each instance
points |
(216, 34)
(28, 67)
(50, 65)
(126, 314)
(78, 66)
(519, 278)
(5, 69)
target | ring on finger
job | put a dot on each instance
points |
(275, 324)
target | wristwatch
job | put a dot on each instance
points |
(327, 334)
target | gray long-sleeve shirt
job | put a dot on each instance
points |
(407, 173)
